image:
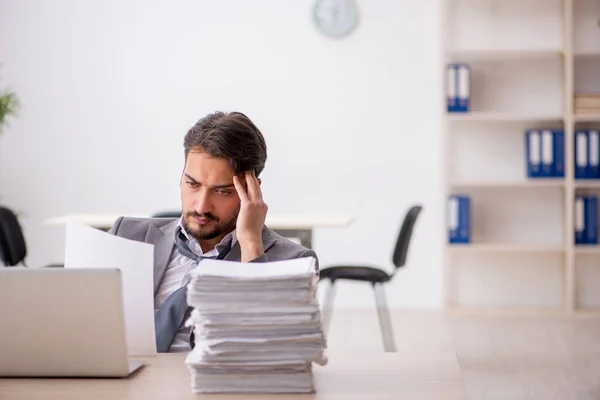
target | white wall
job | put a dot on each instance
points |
(353, 126)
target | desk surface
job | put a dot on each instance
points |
(275, 221)
(347, 376)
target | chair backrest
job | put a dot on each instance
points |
(12, 243)
(167, 214)
(401, 249)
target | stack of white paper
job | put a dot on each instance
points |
(258, 327)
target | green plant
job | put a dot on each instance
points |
(9, 104)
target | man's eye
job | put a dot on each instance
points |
(223, 192)
(192, 184)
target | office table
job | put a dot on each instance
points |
(291, 226)
(348, 376)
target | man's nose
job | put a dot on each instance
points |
(202, 203)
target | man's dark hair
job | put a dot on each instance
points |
(232, 136)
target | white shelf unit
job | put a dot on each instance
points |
(587, 118)
(503, 117)
(528, 59)
(492, 248)
(518, 183)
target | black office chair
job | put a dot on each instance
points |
(375, 276)
(13, 248)
(12, 243)
(167, 214)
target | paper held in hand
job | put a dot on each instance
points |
(87, 247)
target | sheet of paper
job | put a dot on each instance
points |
(233, 269)
(87, 247)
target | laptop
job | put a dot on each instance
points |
(63, 322)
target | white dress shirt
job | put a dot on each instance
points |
(175, 275)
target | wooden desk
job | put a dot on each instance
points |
(293, 226)
(348, 376)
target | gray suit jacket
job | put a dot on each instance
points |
(159, 232)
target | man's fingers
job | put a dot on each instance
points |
(258, 189)
(240, 189)
(253, 190)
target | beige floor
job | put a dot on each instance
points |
(501, 357)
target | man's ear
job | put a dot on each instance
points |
(259, 181)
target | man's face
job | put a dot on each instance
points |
(209, 200)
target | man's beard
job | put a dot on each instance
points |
(221, 227)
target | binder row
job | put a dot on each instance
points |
(459, 87)
(459, 219)
(545, 153)
(586, 219)
(587, 150)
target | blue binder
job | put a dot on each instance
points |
(464, 87)
(452, 82)
(533, 153)
(465, 219)
(559, 153)
(581, 154)
(453, 219)
(579, 220)
(591, 219)
(459, 219)
(593, 170)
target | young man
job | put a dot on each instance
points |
(223, 216)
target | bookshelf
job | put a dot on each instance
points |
(529, 60)
(587, 185)
(509, 184)
(587, 118)
(487, 55)
(505, 248)
(503, 117)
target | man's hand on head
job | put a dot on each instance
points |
(251, 219)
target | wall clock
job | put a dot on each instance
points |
(335, 18)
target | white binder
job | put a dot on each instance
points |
(547, 153)
(535, 156)
(581, 151)
(464, 87)
(579, 220)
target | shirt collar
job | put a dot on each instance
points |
(195, 246)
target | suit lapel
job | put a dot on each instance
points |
(163, 242)
(235, 254)
(162, 239)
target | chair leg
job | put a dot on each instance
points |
(328, 306)
(385, 323)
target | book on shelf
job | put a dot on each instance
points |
(582, 113)
(587, 154)
(586, 219)
(587, 104)
(545, 153)
(459, 88)
(459, 219)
